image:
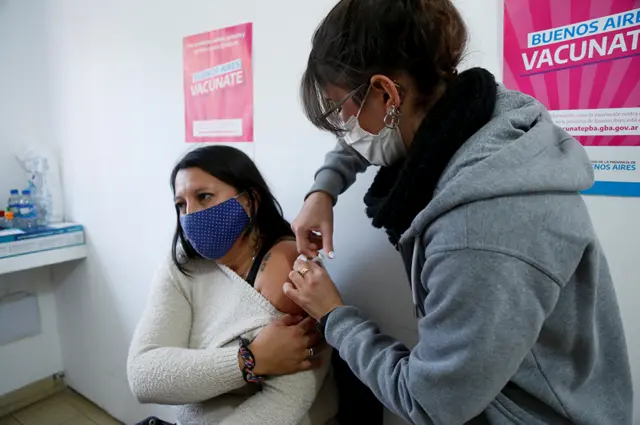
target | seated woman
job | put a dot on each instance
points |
(196, 344)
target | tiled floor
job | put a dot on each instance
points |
(66, 408)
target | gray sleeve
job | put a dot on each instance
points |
(484, 313)
(339, 171)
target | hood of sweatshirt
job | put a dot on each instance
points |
(519, 151)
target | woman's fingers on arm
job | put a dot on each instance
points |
(308, 324)
(298, 231)
(315, 267)
(312, 363)
(315, 341)
(295, 277)
(327, 239)
(316, 273)
(290, 320)
(315, 243)
(304, 246)
(305, 243)
(307, 365)
(299, 266)
(291, 291)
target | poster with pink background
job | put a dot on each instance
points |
(581, 58)
(218, 85)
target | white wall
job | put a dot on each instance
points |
(25, 119)
(38, 357)
(25, 115)
(118, 118)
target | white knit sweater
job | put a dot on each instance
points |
(185, 352)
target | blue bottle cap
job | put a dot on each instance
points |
(15, 191)
(26, 192)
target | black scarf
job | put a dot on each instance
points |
(399, 192)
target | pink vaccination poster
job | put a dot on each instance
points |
(218, 85)
(581, 58)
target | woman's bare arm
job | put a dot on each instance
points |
(274, 271)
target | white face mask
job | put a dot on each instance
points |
(384, 148)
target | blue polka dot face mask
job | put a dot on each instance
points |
(212, 232)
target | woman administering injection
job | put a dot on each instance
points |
(480, 193)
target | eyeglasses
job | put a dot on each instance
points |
(336, 108)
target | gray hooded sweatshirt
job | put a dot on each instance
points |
(519, 318)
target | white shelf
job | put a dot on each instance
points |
(41, 259)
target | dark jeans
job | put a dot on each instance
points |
(356, 403)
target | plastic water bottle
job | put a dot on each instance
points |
(28, 218)
(44, 184)
(13, 201)
(41, 197)
(42, 201)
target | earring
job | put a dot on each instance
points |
(392, 119)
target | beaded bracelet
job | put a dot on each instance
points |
(249, 364)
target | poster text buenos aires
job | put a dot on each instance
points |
(581, 58)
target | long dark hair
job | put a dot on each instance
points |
(236, 169)
(423, 39)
